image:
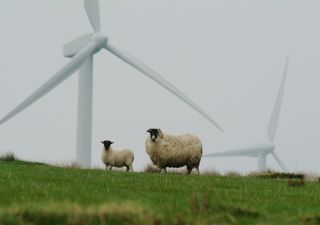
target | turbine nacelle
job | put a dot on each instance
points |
(100, 40)
(261, 149)
(266, 148)
(71, 48)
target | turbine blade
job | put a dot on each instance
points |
(134, 62)
(249, 151)
(273, 123)
(280, 162)
(93, 12)
(54, 81)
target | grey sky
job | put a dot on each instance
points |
(228, 56)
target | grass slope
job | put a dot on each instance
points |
(41, 194)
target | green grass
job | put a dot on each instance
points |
(35, 193)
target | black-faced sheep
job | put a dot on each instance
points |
(174, 151)
(116, 158)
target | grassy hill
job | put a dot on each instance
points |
(35, 193)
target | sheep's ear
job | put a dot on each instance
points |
(160, 133)
(111, 142)
(102, 142)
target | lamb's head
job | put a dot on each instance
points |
(107, 144)
(155, 133)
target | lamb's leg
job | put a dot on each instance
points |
(110, 167)
(127, 168)
(131, 168)
(197, 169)
(164, 170)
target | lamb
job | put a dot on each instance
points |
(167, 150)
(116, 158)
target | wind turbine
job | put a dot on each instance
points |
(261, 151)
(81, 51)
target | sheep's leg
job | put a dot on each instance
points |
(127, 168)
(189, 170)
(110, 167)
(131, 168)
(164, 170)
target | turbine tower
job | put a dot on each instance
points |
(81, 51)
(261, 151)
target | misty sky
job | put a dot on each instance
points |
(228, 56)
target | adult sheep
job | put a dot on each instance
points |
(116, 158)
(173, 151)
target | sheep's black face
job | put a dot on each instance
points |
(107, 144)
(154, 134)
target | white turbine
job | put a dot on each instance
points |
(261, 151)
(81, 51)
